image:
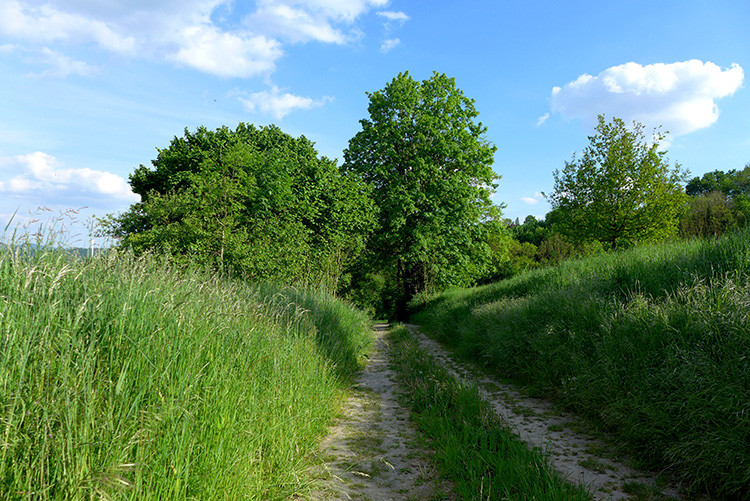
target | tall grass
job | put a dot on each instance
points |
(653, 344)
(125, 377)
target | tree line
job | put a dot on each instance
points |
(410, 208)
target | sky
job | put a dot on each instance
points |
(89, 89)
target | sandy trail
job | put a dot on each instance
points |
(371, 452)
(577, 457)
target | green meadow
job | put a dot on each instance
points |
(127, 377)
(652, 344)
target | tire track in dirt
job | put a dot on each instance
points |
(371, 452)
(579, 458)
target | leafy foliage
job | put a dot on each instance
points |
(253, 200)
(621, 190)
(720, 201)
(731, 183)
(430, 168)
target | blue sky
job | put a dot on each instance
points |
(90, 88)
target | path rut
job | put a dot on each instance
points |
(579, 458)
(371, 452)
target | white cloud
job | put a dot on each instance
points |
(679, 96)
(394, 16)
(61, 66)
(389, 44)
(42, 176)
(540, 121)
(278, 104)
(538, 197)
(201, 34)
(337, 10)
(210, 50)
(8, 48)
(46, 24)
(295, 24)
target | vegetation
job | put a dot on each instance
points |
(652, 344)
(473, 449)
(430, 169)
(129, 377)
(142, 373)
(621, 191)
(719, 202)
(254, 201)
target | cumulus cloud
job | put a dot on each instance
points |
(679, 96)
(389, 44)
(47, 24)
(43, 176)
(201, 34)
(225, 54)
(540, 121)
(278, 104)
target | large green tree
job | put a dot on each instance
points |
(621, 190)
(254, 200)
(430, 167)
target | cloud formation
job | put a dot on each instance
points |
(538, 197)
(278, 104)
(206, 35)
(394, 16)
(389, 44)
(680, 96)
(60, 66)
(44, 177)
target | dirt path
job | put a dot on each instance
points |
(577, 457)
(371, 453)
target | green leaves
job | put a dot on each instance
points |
(621, 190)
(252, 200)
(430, 169)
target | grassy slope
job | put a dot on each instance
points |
(653, 344)
(126, 378)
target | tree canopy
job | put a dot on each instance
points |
(731, 183)
(621, 190)
(430, 167)
(254, 200)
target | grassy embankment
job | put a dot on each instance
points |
(474, 450)
(652, 344)
(126, 378)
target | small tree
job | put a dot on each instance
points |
(430, 167)
(621, 190)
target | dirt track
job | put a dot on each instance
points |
(372, 451)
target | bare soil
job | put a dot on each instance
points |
(372, 452)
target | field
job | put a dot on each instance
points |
(651, 344)
(124, 377)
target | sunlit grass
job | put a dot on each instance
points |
(124, 377)
(653, 344)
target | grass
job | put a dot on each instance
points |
(652, 344)
(126, 378)
(481, 458)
